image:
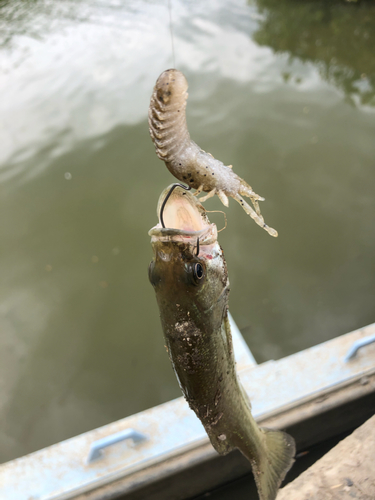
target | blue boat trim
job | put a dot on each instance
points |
(357, 345)
(98, 446)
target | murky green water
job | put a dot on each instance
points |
(283, 90)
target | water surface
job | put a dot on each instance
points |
(282, 90)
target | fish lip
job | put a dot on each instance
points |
(207, 235)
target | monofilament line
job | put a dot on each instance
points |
(171, 29)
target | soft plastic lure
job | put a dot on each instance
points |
(184, 158)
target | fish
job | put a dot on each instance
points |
(184, 158)
(190, 278)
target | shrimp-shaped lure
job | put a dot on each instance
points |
(184, 158)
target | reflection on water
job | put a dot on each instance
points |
(81, 343)
(337, 36)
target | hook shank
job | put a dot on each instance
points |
(187, 188)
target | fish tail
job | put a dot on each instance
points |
(275, 461)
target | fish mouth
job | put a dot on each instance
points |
(184, 218)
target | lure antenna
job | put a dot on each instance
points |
(187, 188)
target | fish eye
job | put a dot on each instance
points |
(198, 272)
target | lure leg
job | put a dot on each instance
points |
(254, 215)
(246, 190)
(199, 190)
(209, 195)
(223, 198)
(255, 203)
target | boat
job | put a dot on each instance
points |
(317, 395)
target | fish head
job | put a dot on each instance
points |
(188, 272)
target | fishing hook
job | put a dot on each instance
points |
(187, 188)
(197, 252)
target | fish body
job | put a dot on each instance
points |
(184, 158)
(192, 288)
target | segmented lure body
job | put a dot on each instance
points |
(184, 158)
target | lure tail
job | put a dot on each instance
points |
(274, 462)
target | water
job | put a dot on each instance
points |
(283, 90)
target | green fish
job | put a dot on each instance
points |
(190, 278)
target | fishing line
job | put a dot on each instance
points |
(171, 30)
(219, 212)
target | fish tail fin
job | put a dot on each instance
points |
(275, 461)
